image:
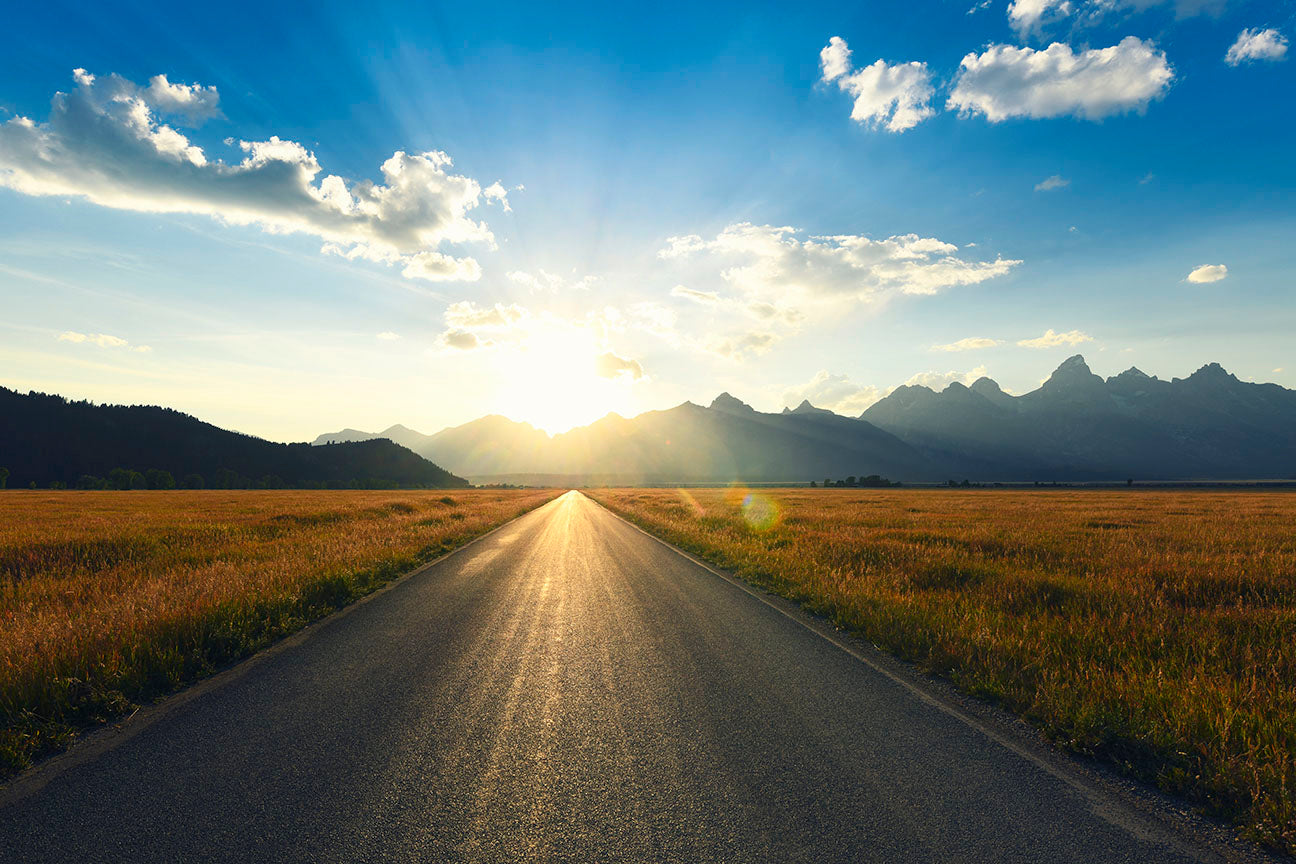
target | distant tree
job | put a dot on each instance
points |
(191, 481)
(813, 484)
(225, 479)
(850, 481)
(271, 481)
(4, 477)
(155, 478)
(57, 484)
(119, 478)
(89, 481)
(827, 482)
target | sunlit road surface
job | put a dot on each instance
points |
(566, 689)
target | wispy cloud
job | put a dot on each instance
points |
(1253, 45)
(101, 340)
(1057, 181)
(1053, 339)
(972, 343)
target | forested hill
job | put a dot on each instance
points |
(49, 440)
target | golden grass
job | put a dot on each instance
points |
(1154, 630)
(109, 599)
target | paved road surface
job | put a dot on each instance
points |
(566, 689)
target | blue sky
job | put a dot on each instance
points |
(629, 218)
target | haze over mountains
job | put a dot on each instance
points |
(1076, 426)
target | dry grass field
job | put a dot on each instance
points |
(109, 599)
(1154, 630)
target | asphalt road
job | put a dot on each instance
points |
(566, 689)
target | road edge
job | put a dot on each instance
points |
(1147, 811)
(96, 741)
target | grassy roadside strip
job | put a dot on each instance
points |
(111, 600)
(1153, 631)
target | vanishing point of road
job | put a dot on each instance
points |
(564, 689)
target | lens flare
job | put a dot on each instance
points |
(761, 513)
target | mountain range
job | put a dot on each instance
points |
(1075, 426)
(46, 439)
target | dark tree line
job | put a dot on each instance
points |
(51, 442)
(871, 481)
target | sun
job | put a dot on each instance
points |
(554, 382)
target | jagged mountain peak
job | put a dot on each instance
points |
(1073, 365)
(1131, 374)
(731, 405)
(1212, 372)
(806, 408)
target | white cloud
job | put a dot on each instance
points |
(192, 101)
(1208, 273)
(1057, 181)
(941, 380)
(706, 298)
(609, 365)
(1252, 45)
(550, 282)
(388, 336)
(1027, 16)
(102, 340)
(895, 97)
(1052, 339)
(104, 142)
(1006, 81)
(772, 265)
(971, 343)
(834, 392)
(497, 192)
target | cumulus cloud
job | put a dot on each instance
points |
(971, 343)
(1057, 181)
(1252, 45)
(194, 102)
(101, 340)
(609, 365)
(834, 392)
(941, 380)
(895, 97)
(1208, 273)
(1027, 16)
(497, 192)
(772, 264)
(549, 282)
(1052, 339)
(105, 142)
(1006, 81)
